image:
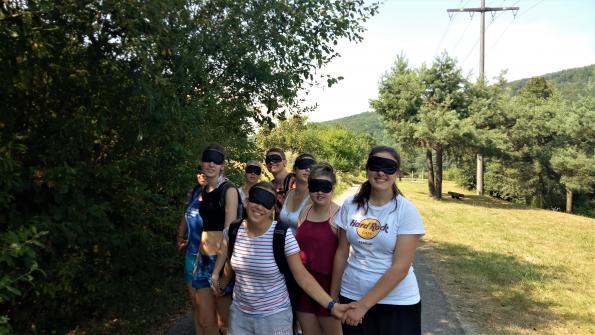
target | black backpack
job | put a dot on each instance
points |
(278, 253)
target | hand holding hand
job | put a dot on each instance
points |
(355, 314)
(215, 285)
(339, 310)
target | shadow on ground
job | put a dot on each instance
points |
(499, 292)
(478, 201)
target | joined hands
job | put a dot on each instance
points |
(350, 314)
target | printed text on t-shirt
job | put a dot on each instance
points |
(368, 228)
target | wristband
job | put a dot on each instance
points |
(330, 305)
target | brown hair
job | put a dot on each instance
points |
(276, 150)
(266, 186)
(323, 169)
(363, 195)
(216, 147)
(253, 163)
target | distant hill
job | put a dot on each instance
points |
(571, 83)
(368, 122)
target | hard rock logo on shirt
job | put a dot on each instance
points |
(368, 228)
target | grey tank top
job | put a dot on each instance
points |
(291, 218)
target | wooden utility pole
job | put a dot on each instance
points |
(482, 10)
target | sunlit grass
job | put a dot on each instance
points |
(510, 269)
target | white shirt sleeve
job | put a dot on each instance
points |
(410, 221)
(342, 218)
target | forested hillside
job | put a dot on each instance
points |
(571, 83)
(368, 122)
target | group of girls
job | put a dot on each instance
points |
(353, 264)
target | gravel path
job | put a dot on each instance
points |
(438, 315)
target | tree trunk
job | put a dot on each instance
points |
(568, 200)
(430, 167)
(479, 174)
(438, 183)
(541, 189)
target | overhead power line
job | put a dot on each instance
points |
(482, 10)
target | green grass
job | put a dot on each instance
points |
(508, 268)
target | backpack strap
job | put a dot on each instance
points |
(232, 233)
(279, 253)
(279, 246)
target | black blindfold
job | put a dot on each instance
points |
(273, 158)
(262, 197)
(253, 169)
(385, 165)
(304, 163)
(214, 156)
(320, 185)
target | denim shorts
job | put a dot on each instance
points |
(204, 270)
(189, 267)
(240, 323)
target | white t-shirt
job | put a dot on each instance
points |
(373, 237)
(260, 287)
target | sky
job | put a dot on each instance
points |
(545, 36)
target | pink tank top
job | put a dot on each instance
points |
(318, 244)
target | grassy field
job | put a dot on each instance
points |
(507, 268)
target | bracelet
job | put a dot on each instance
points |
(330, 305)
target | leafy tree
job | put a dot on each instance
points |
(342, 148)
(426, 107)
(106, 106)
(574, 155)
(532, 136)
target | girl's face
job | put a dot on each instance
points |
(380, 180)
(257, 212)
(275, 163)
(251, 176)
(201, 179)
(302, 169)
(320, 197)
(211, 169)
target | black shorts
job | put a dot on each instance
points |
(387, 319)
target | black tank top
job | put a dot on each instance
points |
(211, 211)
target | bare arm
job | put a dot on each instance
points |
(181, 242)
(219, 264)
(231, 206)
(339, 263)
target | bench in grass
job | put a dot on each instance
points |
(456, 195)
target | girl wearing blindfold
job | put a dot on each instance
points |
(283, 180)
(188, 237)
(216, 214)
(317, 238)
(260, 297)
(298, 197)
(378, 233)
(252, 173)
